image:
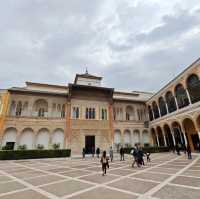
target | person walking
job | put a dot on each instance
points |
(189, 153)
(111, 154)
(93, 151)
(121, 153)
(104, 162)
(98, 152)
(83, 153)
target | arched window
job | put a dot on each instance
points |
(193, 84)
(75, 112)
(181, 96)
(90, 113)
(12, 108)
(25, 109)
(63, 111)
(170, 102)
(150, 113)
(40, 108)
(19, 109)
(155, 110)
(129, 113)
(162, 105)
(104, 114)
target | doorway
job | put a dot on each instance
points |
(89, 143)
(195, 141)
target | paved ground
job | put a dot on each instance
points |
(167, 177)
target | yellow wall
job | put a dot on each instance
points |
(5, 100)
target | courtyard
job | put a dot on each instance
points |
(167, 176)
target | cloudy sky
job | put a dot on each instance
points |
(133, 44)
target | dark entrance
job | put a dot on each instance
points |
(195, 140)
(89, 143)
(10, 145)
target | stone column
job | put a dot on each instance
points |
(165, 142)
(153, 114)
(176, 102)
(122, 137)
(159, 111)
(172, 132)
(188, 95)
(157, 139)
(167, 107)
(141, 140)
(50, 141)
(132, 139)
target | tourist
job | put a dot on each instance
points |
(104, 162)
(121, 153)
(140, 157)
(93, 151)
(98, 152)
(111, 154)
(83, 153)
(135, 157)
(189, 152)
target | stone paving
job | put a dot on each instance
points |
(168, 176)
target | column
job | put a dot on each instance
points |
(132, 139)
(153, 114)
(164, 138)
(50, 141)
(167, 107)
(159, 111)
(157, 139)
(176, 102)
(188, 95)
(141, 140)
(172, 132)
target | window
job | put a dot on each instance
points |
(63, 111)
(90, 113)
(75, 112)
(41, 112)
(19, 109)
(104, 114)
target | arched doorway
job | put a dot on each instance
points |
(145, 137)
(58, 138)
(168, 135)
(10, 138)
(193, 84)
(130, 113)
(171, 103)
(154, 139)
(127, 138)
(117, 139)
(42, 138)
(160, 136)
(178, 134)
(191, 133)
(27, 138)
(136, 137)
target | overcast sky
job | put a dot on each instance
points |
(133, 44)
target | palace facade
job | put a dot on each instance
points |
(86, 114)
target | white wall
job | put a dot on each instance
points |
(9, 136)
(43, 138)
(27, 138)
(58, 137)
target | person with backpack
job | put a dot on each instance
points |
(104, 162)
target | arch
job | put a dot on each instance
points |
(10, 136)
(150, 113)
(145, 136)
(40, 108)
(178, 134)
(191, 133)
(193, 85)
(136, 136)
(170, 100)
(155, 110)
(117, 137)
(181, 96)
(58, 137)
(162, 106)
(12, 108)
(127, 137)
(43, 137)
(168, 135)
(19, 109)
(129, 113)
(27, 138)
(154, 139)
(160, 136)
